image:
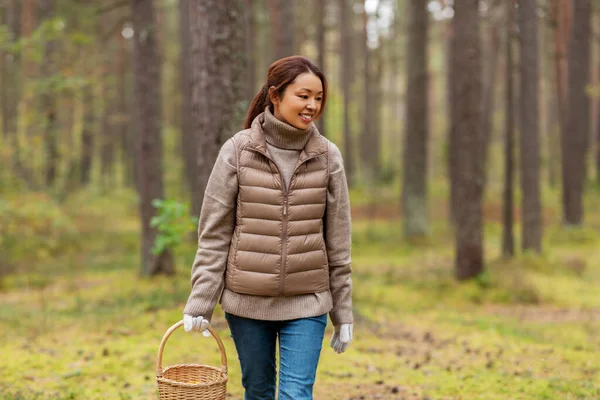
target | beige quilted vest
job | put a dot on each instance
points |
(278, 247)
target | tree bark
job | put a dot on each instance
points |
(150, 150)
(188, 136)
(251, 39)
(575, 140)
(321, 30)
(48, 102)
(369, 149)
(531, 209)
(346, 74)
(489, 81)
(107, 156)
(126, 135)
(87, 136)
(508, 240)
(282, 27)
(467, 103)
(218, 82)
(452, 148)
(416, 135)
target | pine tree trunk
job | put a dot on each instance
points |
(126, 136)
(346, 74)
(416, 135)
(491, 56)
(531, 209)
(148, 113)
(320, 20)
(467, 100)
(508, 240)
(452, 146)
(48, 102)
(576, 137)
(282, 27)
(368, 131)
(218, 82)
(87, 136)
(251, 39)
(188, 137)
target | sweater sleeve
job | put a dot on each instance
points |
(215, 229)
(338, 239)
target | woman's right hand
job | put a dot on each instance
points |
(196, 324)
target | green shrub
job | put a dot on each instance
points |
(172, 222)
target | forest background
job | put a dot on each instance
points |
(470, 132)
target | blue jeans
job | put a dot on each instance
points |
(300, 342)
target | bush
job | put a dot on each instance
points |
(33, 228)
(172, 222)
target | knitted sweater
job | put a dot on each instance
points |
(217, 222)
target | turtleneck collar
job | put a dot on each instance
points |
(283, 135)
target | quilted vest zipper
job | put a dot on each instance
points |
(283, 241)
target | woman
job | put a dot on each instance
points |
(274, 237)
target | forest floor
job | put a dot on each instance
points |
(83, 325)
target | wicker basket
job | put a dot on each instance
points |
(191, 381)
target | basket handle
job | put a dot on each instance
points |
(159, 370)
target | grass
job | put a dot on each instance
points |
(83, 325)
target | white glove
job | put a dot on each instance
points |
(196, 324)
(341, 338)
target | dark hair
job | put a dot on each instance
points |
(280, 74)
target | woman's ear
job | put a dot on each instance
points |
(273, 95)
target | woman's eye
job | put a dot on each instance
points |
(319, 98)
(303, 96)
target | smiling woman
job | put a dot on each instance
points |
(274, 237)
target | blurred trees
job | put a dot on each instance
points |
(140, 95)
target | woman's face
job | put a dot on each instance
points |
(300, 102)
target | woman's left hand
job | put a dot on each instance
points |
(341, 338)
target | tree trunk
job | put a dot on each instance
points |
(367, 135)
(416, 135)
(551, 131)
(452, 148)
(48, 102)
(575, 139)
(467, 101)
(531, 209)
(561, 18)
(148, 112)
(320, 17)
(508, 240)
(489, 81)
(87, 136)
(282, 27)
(287, 32)
(5, 63)
(108, 136)
(188, 136)
(218, 82)
(126, 136)
(346, 74)
(251, 39)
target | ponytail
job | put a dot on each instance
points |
(258, 105)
